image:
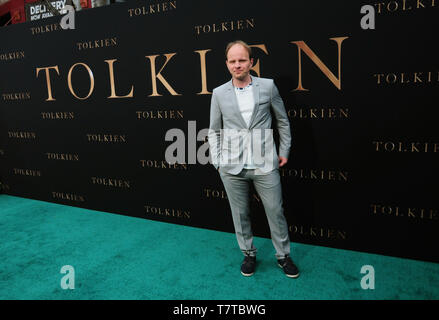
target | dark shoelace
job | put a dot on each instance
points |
(249, 259)
(287, 262)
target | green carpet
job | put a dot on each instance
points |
(120, 257)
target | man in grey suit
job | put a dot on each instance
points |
(243, 151)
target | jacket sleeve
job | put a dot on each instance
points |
(282, 121)
(214, 134)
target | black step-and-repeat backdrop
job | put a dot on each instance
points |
(85, 113)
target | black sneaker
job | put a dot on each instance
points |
(248, 266)
(289, 267)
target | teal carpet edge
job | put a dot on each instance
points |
(119, 257)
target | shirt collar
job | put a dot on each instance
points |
(246, 87)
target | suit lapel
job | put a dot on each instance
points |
(255, 86)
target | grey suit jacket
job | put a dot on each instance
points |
(230, 137)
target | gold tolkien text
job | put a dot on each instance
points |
(318, 113)
(21, 135)
(57, 115)
(405, 212)
(153, 8)
(160, 114)
(16, 96)
(413, 147)
(116, 183)
(405, 78)
(116, 138)
(46, 28)
(234, 25)
(67, 196)
(315, 174)
(102, 43)
(317, 232)
(27, 172)
(62, 156)
(168, 212)
(403, 5)
(156, 164)
(12, 56)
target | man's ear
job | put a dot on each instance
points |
(251, 62)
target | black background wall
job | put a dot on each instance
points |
(362, 174)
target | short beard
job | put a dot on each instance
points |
(242, 77)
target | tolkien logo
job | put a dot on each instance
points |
(16, 96)
(403, 5)
(21, 135)
(62, 156)
(317, 232)
(12, 55)
(404, 78)
(157, 66)
(168, 212)
(153, 8)
(405, 212)
(67, 196)
(106, 138)
(27, 172)
(411, 147)
(116, 183)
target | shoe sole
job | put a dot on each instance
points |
(289, 275)
(247, 274)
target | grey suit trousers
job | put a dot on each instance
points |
(268, 187)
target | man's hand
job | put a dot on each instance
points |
(282, 161)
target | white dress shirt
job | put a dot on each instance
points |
(246, 103)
